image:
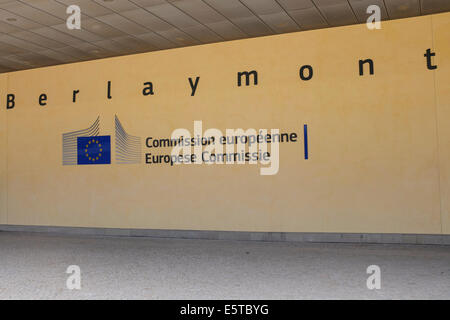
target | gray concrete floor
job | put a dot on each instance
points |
(33, 266)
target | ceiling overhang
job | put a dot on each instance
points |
(33, 33)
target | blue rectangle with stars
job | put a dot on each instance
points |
(94, 150)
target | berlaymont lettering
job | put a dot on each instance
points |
(251, 77)
(332, 130)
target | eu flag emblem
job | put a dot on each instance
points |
(94, 150)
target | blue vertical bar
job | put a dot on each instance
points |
(305, 140)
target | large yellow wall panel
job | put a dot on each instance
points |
(374, 162)
(441, 30)
(3, 150)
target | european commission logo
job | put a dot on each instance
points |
(87, 147)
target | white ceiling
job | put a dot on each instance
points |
(33, 33)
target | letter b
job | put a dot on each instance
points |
(10, 101)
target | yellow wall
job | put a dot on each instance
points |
(3, 168)
(376, 163)
(441, 28)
